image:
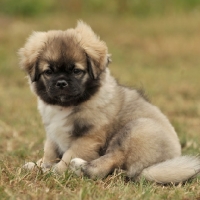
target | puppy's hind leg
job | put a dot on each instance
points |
(139, 144)
(98, 168)
(114, 158)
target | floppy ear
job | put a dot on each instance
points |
(95, 49)
(29, 54)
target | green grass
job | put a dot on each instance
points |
(141, 8)
(159, 54)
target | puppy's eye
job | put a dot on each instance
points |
(48, 72)
(77, 71)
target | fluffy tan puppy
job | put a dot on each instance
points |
(94, 125)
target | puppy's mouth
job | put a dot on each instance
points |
(66, 98)
(62, 98)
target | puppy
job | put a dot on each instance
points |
(94, 125)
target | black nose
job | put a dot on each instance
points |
(61, 84)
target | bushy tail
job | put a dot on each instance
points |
(176, 170)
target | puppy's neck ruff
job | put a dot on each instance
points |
(55, 121)
(107, 89)
(49, 112)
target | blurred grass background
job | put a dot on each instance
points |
(154, 45)
(134, 7)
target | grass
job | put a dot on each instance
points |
(160, 54)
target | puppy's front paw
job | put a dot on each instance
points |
(29, 166)
(39, 164)
(60, 167)
(76, 165)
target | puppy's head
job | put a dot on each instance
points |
(64, 67)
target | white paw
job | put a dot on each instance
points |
(29, 166)
(76, 164)
(39, 164)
